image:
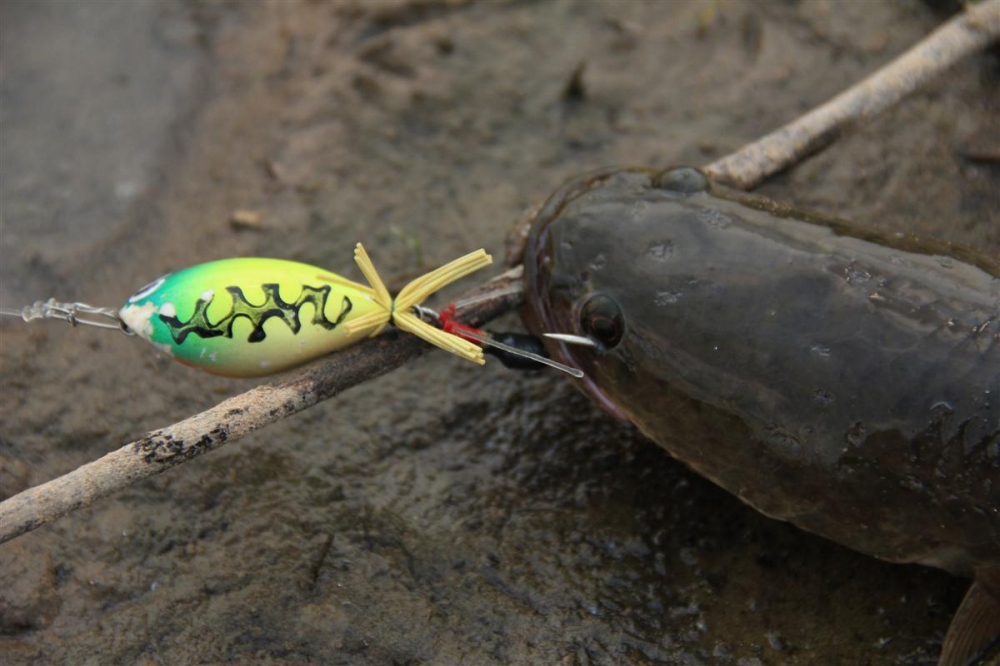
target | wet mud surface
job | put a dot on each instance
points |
(445, 513)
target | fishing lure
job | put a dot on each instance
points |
(218, 316)
(254, 317)
(251, 317)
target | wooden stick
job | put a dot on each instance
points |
(236, 417)
(975, 29)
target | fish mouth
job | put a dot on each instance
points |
(551, 307)
(583, 357)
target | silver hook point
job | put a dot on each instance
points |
(571, 339)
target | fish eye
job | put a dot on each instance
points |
(682, 180)
(602, 320)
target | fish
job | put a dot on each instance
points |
(842, 380)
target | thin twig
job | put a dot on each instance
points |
(967, 33)
(261, 406)
(236, 417)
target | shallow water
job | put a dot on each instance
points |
(498, 517)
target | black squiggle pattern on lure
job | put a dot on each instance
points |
(273, 306)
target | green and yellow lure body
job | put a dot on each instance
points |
(250, 317)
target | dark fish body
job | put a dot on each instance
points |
(847, 383)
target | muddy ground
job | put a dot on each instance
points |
(444, 514)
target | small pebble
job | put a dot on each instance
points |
(241, 219)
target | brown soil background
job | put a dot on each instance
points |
(445, 514)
